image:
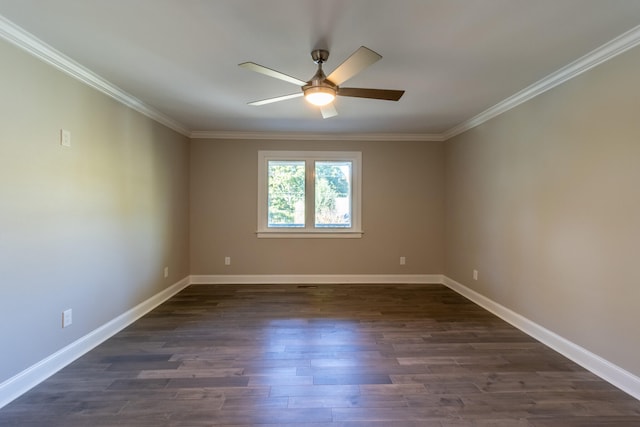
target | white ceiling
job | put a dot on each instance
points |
(454, 58)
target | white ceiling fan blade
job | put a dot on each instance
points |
(328, 111)
(271, 73)
(358, 61)
(276, 99)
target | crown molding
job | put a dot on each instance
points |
(594, 58)
(609, 50)
(28, 42)
(301, 136)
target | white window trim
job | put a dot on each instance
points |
(309, 231)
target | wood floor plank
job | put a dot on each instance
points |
(321, 356)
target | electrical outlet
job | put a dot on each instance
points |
(66, 318)
(475, 274)
(166, 272)
(227, 260)
(65, 138)
(403, 260)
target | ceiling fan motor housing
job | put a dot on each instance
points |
(319, 90)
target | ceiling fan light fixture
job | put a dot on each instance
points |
(319, 95)
(321, 90)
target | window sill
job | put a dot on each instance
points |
(309, 235)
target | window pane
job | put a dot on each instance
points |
(286, 194)
(333, 194)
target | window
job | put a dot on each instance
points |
(309, 194)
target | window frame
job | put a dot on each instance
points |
(309, 230)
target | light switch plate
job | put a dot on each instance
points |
(67, 318)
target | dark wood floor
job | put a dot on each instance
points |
(326, 355)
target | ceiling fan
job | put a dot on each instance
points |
(321, 90)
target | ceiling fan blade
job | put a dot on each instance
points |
(358, 61)
(276, 99)
(328, 111)
(385, 94)
(271, 73)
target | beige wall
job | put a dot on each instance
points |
(90, 227)
(545, 202)
(402, 203)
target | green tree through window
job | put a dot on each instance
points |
(286, 193)
(332, 204)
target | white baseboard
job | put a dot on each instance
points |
(265, 279)
(606, 370)
(35, 374)
(30, 377)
